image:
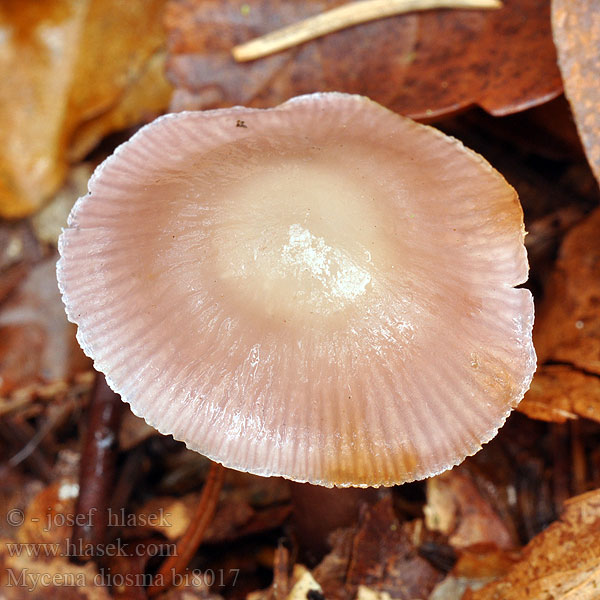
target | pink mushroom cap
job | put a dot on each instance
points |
(323, 290)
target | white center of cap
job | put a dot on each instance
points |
(300, 238)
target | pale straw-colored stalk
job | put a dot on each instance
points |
(341, 17)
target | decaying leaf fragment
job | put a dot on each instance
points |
(567, 327)
(473, 570)
(422, 64)
(457, 509)
(560, 392)
(561, 562)
(37, 343)
(384, 559)
(576, 28)
(376, 559)
(73, 71)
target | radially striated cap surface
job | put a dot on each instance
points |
(323, 290)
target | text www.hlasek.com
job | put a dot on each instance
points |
(80, 549)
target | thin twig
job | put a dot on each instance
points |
(46, 427)
(98, 463)
(17, 434)
(341, 17)
(192, 538)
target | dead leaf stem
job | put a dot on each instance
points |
(192, 538)
(342, 17)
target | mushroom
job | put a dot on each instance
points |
(323, 290)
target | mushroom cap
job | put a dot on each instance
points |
(323, 290)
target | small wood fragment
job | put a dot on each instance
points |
(347, 15)
(281, 572)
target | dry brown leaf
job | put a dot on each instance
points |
(424, 65)
(19, 249)
(560, 563)
(234, 518)
(384, 559)
(145, 97)
(567, 327)
(576, 28)
(73, 70)
(172, 517)
(49, 221)
(37, 343)
(377, 555)
(456, 508)
(169, 516)
(559, 393)
(473, 570)
(481, 563)
(331, 571)
(17, 490)
(49, 516)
